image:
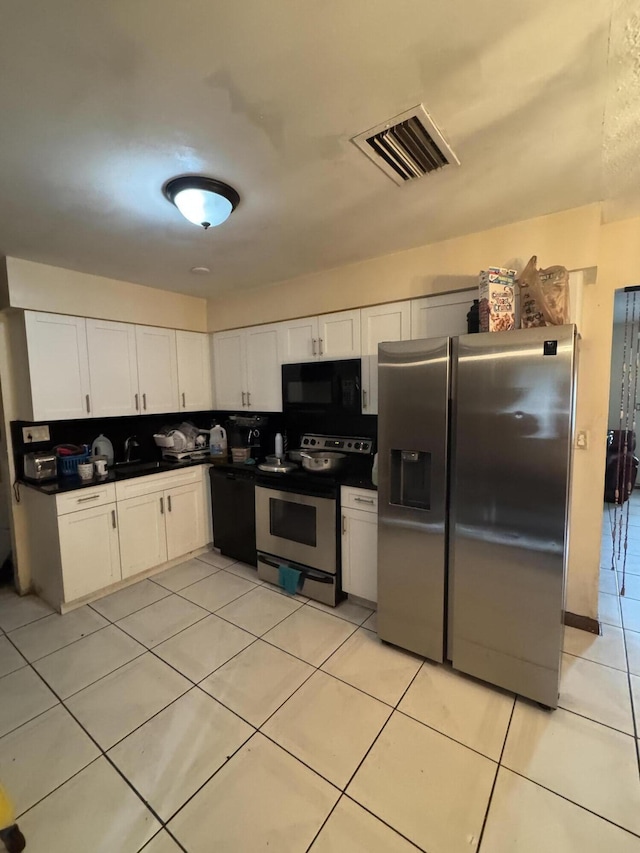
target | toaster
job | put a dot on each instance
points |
(40, 466)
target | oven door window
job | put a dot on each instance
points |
(293, 521)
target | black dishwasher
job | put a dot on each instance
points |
(234, 512)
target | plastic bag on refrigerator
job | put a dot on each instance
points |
(544, 295)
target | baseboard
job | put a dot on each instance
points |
(583, 623)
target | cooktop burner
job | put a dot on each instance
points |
(357, 466)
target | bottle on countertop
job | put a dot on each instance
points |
(279, 447)
(218, 443)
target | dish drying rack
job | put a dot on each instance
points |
(184, 441)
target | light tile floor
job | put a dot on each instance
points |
(203, 710)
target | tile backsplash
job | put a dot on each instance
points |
(143, 427)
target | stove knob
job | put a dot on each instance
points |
(306, 441)
(349, 445)
(313, 441)
(356, 446)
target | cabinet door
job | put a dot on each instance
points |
(339, 335)
(298, 340)
(184, 514)
(228, 368)
(157, 369)
(113, 368)
(58, 366)
(89, 550)
(194, 371)
(360, 553)
(380, 323)
(436, 316)
(264, 372)
(143, 542)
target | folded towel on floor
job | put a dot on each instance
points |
(289, 579)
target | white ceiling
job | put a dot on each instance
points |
(101, 103)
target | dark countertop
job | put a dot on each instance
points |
(358, 482)
(114, 475)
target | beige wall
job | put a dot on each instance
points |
(571, 236)
(39, 287)
(574, 238)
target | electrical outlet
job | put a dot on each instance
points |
(582, 439)
(35, 434)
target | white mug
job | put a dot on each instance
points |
(101, 467)
(85, 470)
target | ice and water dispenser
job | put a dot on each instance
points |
(410, 480)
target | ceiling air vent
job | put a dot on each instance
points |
(407, 147)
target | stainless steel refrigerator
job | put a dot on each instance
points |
(475, 436)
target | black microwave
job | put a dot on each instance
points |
(330, 387)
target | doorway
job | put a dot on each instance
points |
(619, 599)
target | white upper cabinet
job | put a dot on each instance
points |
(247, 369)
(339, 335)
(157, 369)
(380, 323)
(298, 340)
(229, 369)
(435, 316)
(194, 371)
(113, 368)
(264, 373)
(327, 336)
(58, 367)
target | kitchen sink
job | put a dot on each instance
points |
(125, 469)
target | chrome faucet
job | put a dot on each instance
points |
(129, 444)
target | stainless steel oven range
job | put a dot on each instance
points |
(297, 521)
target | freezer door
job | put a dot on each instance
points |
(513, 427)
(413, 381)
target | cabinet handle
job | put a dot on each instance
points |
(243, 398)
(137, 396)
(161, 506)
(113, 519)
(313, 343)
(364, 399)
(248, 398)
(88, 402)
(364, 500)
(344, 524)
(184, 400)
(169, 502)
(144, 402)
(320, 345)
(90, 498)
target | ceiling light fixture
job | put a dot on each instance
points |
(203, 201)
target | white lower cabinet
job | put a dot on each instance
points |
(360, 543)
(85, 541)
(89, 550)
(184, 516)
(143, 542)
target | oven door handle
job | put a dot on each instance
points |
(308, 574)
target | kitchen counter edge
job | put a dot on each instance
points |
(71, 484)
